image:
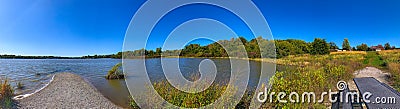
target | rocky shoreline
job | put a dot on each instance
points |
(66, 90)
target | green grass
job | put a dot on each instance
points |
(375, 60)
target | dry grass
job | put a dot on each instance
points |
(6, 93)
(390, 51)
(392, 58)
(349, 52)
(391, 55)
(394, 68)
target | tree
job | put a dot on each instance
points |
(387, 46)
(319, 47)
(301, 46)
(362, 47)
(333, 45)
(150, 53)
(346, 44)
(244, 40)
(284, 48)
(158, 51)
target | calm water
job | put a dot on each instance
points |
(35, 73)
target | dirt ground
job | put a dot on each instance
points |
(369, 72)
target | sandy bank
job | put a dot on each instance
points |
(66, 91)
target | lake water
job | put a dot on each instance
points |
(35, 73)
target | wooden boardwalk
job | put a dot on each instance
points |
(380, 92)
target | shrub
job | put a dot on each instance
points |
(115, 72)
(6, 93)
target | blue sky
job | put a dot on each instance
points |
(87, 27)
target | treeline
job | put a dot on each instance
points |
(34, 57)
(235, 47)
(257, 48)
(115, 56)
(240, 47)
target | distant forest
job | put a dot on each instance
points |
(254, 48)
(58, 57)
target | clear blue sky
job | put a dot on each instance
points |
(87, 27)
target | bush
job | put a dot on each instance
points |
(6, 93)
(115, 72)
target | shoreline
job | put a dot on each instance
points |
(65, 90)
(22, 96)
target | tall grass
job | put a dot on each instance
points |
(115, 72)
(307, 79)
(6, 93)
(316, 73)
(392, 57)
(189, 100)
(349, 52)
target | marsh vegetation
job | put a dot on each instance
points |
(310, 66)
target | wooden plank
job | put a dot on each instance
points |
(377, 89)
(336, 105)
(346, 105)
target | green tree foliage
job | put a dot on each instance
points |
(387, 46)
(346, 44)
(319, 47)
(333, 45)
(284, 48)
(158, 51)
(192, 50)
(244, 40)
(362, 47)
(254, 48)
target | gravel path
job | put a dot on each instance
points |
(67, 91)
(369, 72)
